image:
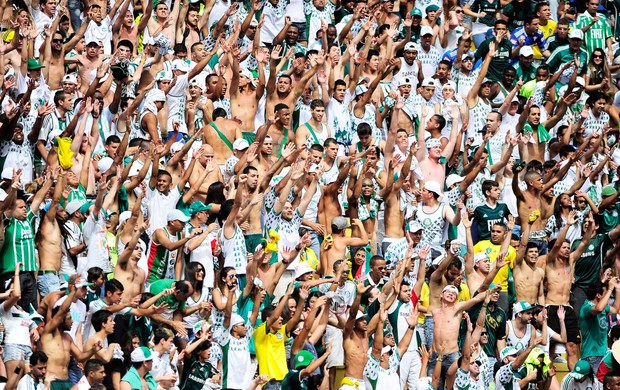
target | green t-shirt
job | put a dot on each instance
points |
(611, 219)
(588, 266)
(486, 216)
(19, 244)
(197, 375)
(170, 300)
(292, 381)
(485, 6)
(525, 74)
(593, 330)
(516, 15)
(500, 61)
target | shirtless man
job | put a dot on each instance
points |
(281, 132)
(220, 135)
(87, 63)
(528, 202)
(431, 162)
(48, 245)
(205, 161)
(477, 267)
(103, 323)
(53, 53)
(447, 319)
(339, 245)
(124, 26)
(58, 345)
(559, 266)
(164, 22)
(394, 218)
(284, 92)
(528, 278)
(190, 24)
(314, 131)
(355, 343)
(127, 270)
(245, 93)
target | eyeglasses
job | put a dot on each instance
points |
(346, 272)
(200, 270)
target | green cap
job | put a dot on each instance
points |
(303, 359)
(85, 207)
(34, 64)
(581, 369)
(197, 207)
(609, 190)
(416, 12)
(432, 8)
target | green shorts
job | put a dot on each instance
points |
(60, 384)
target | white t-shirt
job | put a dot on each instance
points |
(159, 205)
(16, 326)
(97, 244)
(101, 32)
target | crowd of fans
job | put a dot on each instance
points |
(309, 194)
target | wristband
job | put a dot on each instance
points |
(412, 327)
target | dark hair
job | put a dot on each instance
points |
(316, 103)
(372, 53)
(540, 5)
(500, 21)
(112, 139)
(163, 172)
(38, 357)
(446, 63)
(215, 193)
(499, 115)
(595, 288)
(280, 106)
(440, 120)
(456, 262)
(94, 273)
(531, 245)
(487, 185)
(196, 44)
(113, 285)
(247, 169)
(219, 112)
(191, 270)
(329, 141)
(226, 208)
(222, 275)
(181, 48)
(58, 96)
(317, 147)
(182, 286)
(364, 129)
(266, 313)
(529, 17)
(339, 82)
(564, 22)
(161, 333)
(534, 165)
(99, 318)
(92, 365)
(125, 42)
(376, 258)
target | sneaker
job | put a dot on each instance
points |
(559, 359)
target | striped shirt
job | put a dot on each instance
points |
(19, 244)
(593, 124)
(561, 56)
(597, 34)
(536, 40)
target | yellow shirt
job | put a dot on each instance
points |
(492, 251)
(464, 294)
(425, 300)
(549, 29)
(270, 352)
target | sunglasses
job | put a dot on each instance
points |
(478, 362)
(381, 268)
(346, 272)
(56, 40)
(459, 11)
(367, 185)
(597, 56)
(484, 334)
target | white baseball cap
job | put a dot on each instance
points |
(240, 144)
(426, 30)
(177, 215)
(526, 51)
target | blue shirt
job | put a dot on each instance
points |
(537, 40)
